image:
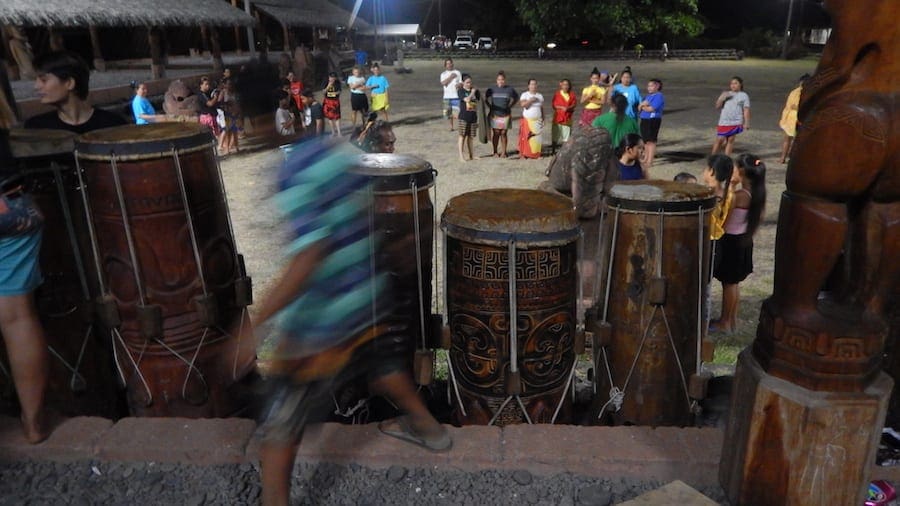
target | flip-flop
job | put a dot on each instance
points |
(404, 432)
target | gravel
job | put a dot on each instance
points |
(116, 483)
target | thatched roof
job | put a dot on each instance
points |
(122, 13)
(306, 13)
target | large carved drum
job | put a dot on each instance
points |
(172, 284)
(82, 378)
(403, 216)
(647, 347)
(504, 373)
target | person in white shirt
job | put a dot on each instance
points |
(532, 124)
(451, 79)
(284, 118)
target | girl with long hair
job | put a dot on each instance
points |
(736, 244)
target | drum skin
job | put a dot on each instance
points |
(394, 221)
(64, 310)
(168, 271)
(655, 394)
(479, 225)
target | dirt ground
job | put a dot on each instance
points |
(688, 128)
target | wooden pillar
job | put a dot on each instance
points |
(9, 63)
(263, 40)
(157, 65)
(99, 62)
(204, 40)
(56, 40)
(218, 64)
(286, 34)
(237, 33)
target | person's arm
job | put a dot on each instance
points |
(586, 95)
(746, 118)
(723, 97)
(290, 282)
(449, 79)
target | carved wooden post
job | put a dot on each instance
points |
(218, 64)
(99, 62)
(286, 36)
(157, 66)
(809, 397)
(204, 40)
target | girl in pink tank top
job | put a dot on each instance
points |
(737, 244)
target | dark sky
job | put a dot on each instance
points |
(723, 17)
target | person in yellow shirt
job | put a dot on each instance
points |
(788, 122)
(718, 176)
(593, 98)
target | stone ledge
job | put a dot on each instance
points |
(662, 454)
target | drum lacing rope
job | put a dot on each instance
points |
(237, 261)
(421, 302)
(77, 381)
(136, 364)
(190, 220)
(92, 233)
(361, 407)
(126, 224)
(616, 396)
(513, 330)
(700, 285)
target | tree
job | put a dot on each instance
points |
(616, 20)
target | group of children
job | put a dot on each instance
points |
(299, 112)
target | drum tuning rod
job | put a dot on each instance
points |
(190, 221)
(92, 233)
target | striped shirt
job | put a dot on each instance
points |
(323, 203)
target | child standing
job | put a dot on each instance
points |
(359, 103)
(651, 111)
(378, 85)
(735, 115)
(736, 244)
(719, 169)
(331, 104)
(468, 116)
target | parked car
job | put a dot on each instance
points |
(463, 42)
(484, 44)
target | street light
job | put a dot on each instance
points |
(787, 31)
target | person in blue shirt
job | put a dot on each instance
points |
(143, 110)
(651, 111)
(378, 85)
(626, 87)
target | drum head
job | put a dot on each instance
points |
(660, 196)
(36, 143)
(392, 173)
(497, 216)
(140, 142)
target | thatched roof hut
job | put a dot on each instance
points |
(306, 13)
(83, 13)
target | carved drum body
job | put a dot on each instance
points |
(169, 264)
(651, 294)
(506, 373)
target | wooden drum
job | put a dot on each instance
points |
(504, 373)
(82, 375)
(172, 283)
(646, 348)
(403, 216)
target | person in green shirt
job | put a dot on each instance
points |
(616, 121)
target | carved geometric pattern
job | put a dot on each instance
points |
(492, 265)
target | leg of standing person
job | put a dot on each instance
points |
(649, 154)
(785, 147)
(469, 138)
(728, 317)
(276, 467)
(461, 143)
(729, 144)
(504, 143)
(26, 346)
(495, 139)
(399, 388)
